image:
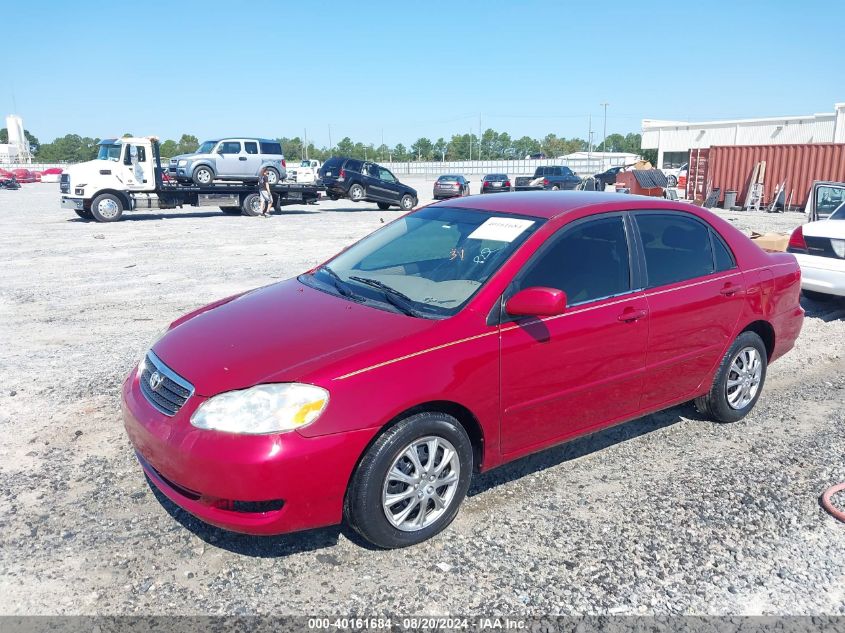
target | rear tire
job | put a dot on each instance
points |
(273, 176)
(367, 499)
(383, 206)
(555, 188)
(738, 382)
(252, 205)
(821, 297)
(407, 202)
(107, 208)
(203, 175)
(356, 193)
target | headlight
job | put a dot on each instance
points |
(182, 163)
(262, 409)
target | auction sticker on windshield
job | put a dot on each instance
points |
(500, 229)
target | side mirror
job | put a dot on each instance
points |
(537, 301)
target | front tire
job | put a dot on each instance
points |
(411, 482)
(107, 208)
(738, 382)
(383, 206)
(407, 202)
(203, 175)
(356, 193)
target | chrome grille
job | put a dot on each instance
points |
(167, 391)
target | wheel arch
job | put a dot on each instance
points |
(765, 331)
(458, 411)
(202, 163)
(121, 195)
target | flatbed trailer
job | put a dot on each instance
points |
(103, 190)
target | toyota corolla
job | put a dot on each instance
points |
(452, 340)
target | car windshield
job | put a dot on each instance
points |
(109, 152)
(206, 147)
(839, 214)
(427, 264)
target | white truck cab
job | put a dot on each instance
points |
(305, 171)
(101, 188)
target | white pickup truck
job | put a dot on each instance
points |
(305, 172)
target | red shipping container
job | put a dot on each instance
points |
(729, 168)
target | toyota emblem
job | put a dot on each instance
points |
(155, 380)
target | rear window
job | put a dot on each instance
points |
(495, 177)
(271, 148)
(448, 179)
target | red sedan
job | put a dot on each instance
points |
(452, 340)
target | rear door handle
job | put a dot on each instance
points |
(731, 289)
(241, 157)
(630, 314)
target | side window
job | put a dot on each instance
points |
(828, 198)
(353, 165)
(676, 248)
(385, 175)
(588, 261)
(722, 255)
(271, 148)
(251, 147)
(230, 147)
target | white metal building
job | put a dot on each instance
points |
(673, 140)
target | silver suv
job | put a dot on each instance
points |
(230, 159)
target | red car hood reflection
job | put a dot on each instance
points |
(278, 333)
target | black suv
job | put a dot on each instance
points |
(361, 180)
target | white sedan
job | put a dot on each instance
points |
(819, 248)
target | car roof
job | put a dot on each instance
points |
(551, 204)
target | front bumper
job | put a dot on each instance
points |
(822, 274)
(77, 204)
(231, 480)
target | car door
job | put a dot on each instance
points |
(563, 375)
(388, 185)
(228, 163)
(250, 161)
(695, 294)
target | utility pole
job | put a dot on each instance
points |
(305, 130)
(330, 137)
(470, 143)
(479, 136)
(604, 139)
(590, 139)
(381, 149)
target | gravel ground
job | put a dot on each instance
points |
(666, 514)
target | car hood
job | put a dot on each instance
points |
(278, 333)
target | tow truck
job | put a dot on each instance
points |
(127, 176)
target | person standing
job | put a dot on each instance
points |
(264, 192)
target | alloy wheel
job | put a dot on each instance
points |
(744, 376)
(421, 483)
(108, 208)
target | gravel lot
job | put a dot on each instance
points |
(666, 514)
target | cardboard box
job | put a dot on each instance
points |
(775, 242)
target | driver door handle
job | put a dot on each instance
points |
(730, 289)
(630, 315)
(241, 157)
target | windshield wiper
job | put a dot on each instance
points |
(338, 283)
(397, 298)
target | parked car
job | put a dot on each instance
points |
(495, 183)
(551, 177)
(819, 248)
(24, 175)
(305, 172)
(455, 339)
(608, 177)
(361, 180)
(450, 186)
(674, 175)
(230, 159)
(537, 156)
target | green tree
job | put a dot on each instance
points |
(526, 146)
(69, 148)
(345, 147)
(400, 153)
(187, 143)
(168, 149)
(422, 149)
(440, 147)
